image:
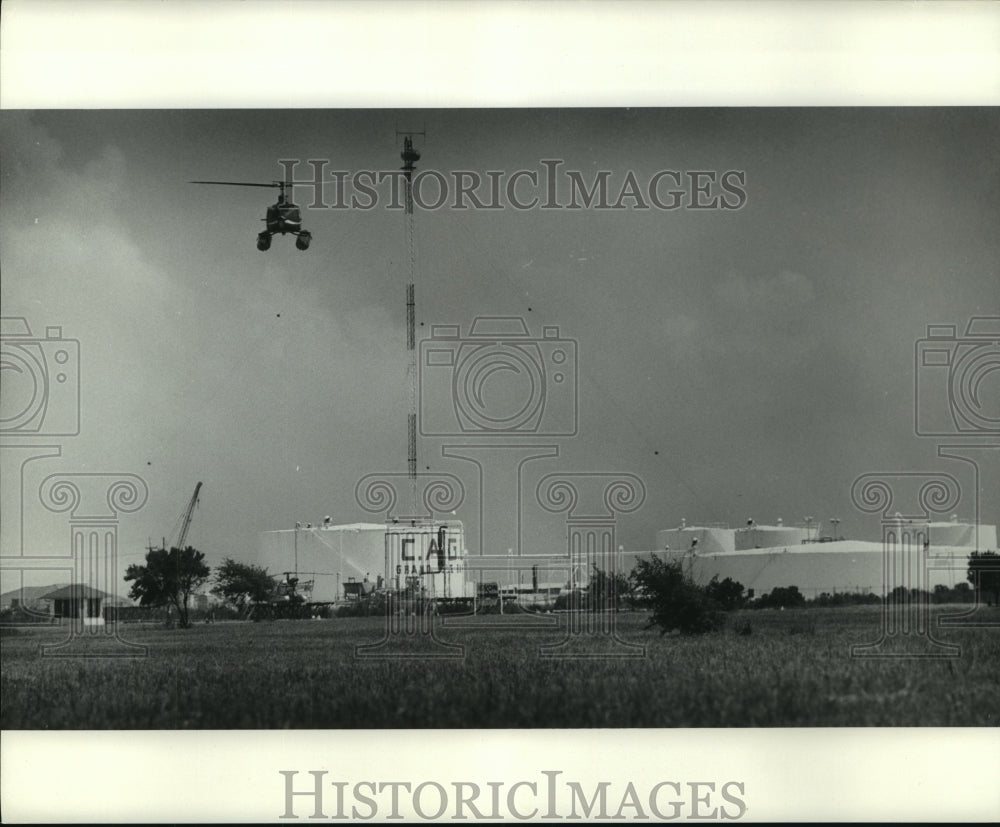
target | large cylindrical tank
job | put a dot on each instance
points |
(771, 536)
(329, 555)
(710, 539)
(981, 537)
(427, 557)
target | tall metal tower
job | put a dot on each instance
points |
(410, 156)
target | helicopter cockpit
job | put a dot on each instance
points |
(282, 217)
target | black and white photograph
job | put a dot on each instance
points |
(425, 419)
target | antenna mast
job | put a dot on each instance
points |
(410, 156)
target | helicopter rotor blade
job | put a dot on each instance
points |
(239, 183)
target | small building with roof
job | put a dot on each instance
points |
(78, 600)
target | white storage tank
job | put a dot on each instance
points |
(706, 539)
(428, 556)
(772, 536)
(328, 555)
(954, 533)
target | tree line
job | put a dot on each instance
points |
(677, 603)
(169, 577)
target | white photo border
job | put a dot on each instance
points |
(207, 55)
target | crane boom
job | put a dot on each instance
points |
(187, 517)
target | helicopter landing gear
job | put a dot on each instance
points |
(303, 239)
(263, 241)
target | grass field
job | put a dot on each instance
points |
(792, 669)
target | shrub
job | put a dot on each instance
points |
(781, 597)
(901, 594)
(728, 593)
(677, 603)
(574, 600)
(21, 616)
(606, 591)
(984, 574)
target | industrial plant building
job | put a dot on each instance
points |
(763, 557)
(335, 562)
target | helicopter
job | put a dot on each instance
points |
(282, 217)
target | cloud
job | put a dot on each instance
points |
(191, 362)
(781, 295)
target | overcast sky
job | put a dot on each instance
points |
(742, 363)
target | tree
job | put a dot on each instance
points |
(241, 583)
(168, 578)
(606, 591)
(677, 602)
(728, 593)
(781, 597)
(941, 594)
(984, 575)
(898, 595)
(962, 593)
